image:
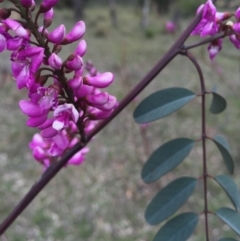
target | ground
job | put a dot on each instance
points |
(104, 198)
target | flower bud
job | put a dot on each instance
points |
(26, 3)
(57, 35)
(237, 14)
(55, 61)
(47, 5)
(75, 83)
(81, 48)
(43, 30)
(4, 13)
(99, 81)
(76, 33)
(48, 18)
(74, 62)
(84, 90)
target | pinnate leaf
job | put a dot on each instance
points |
(218, 105)
(165, 158)
(170, 199)
(230, 217)
(162, 103)
(231, 189)
(223, 147)
(178, 228)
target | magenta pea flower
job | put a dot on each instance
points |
(99, 81)
(214, 48)
(208, 25)
(17, 28)
(236, 41)
(79, 157)
(63, 114)
(29, 108)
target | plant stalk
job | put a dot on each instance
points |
(204, 137)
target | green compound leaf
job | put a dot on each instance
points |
(231, 189)
(165, 158)
(162, 103)
(223, 147)
(170, 199)
(218, 105)
(179, 228)
(230, 217)
(227, 239)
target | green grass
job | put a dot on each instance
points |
(104, 199)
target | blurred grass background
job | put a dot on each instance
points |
(104, 199)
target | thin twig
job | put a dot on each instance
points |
(205, 173)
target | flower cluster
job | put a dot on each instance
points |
(213, 23)
(65, 100)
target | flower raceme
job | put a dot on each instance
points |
(213, 23)
(64, 109)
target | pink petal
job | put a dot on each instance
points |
(30, 108)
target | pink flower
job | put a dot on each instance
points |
(29, 108)
(99, 81)
(236, 41)
(63, 114)
(17, 28)
(170, 27)
(214, 48)
(208, 25)
(79, 157)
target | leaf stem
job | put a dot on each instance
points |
(205, 173)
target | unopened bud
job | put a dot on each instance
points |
(47, 5)
(48, 18)
(26, 3)
(4, 13)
